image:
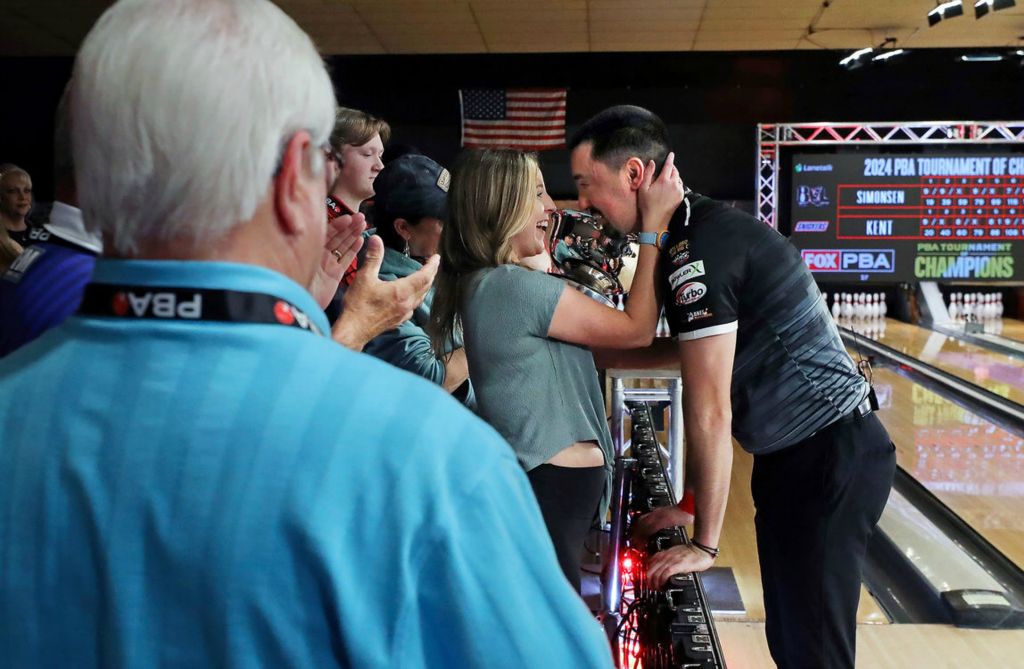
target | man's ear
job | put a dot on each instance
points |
(634, 169)
(292, 184)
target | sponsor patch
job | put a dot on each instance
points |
(689, 293)
(444, 180)
(685, 273)
(700, 314)
(680, 258)
(811, 226)
(679, 248)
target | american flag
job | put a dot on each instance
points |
(530, 119)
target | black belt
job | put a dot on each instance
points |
(859, 411)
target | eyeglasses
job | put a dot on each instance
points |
(331, 153)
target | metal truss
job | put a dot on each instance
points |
(771, 136)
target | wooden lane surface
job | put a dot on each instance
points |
(1012, 329)
(892, 647)
(974, 467)
(738, 542)
(995, 372)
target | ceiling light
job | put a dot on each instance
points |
(886, 55)
(981, 57)
(946, 10)
(856, 59)
(983, 7)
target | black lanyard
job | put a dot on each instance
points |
(191, 304)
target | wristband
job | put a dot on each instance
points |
(655, 239)
(713, 552)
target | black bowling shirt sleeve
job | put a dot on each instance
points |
(701, 276)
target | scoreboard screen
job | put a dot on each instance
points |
(891, 217)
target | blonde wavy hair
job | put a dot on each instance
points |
(490, 200)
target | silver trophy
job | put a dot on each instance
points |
(588, 252)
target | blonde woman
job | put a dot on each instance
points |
(527, 333)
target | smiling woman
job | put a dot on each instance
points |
(526, 334)
(15, 202)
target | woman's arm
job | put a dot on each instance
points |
(662, 354)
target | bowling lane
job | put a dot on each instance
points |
(1011, 328)
(974, 467)
(993, 371)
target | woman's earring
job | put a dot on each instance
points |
(406, 250)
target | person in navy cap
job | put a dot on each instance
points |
(410, 208)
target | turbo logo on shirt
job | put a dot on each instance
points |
(690, 293)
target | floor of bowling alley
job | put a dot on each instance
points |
(992, 370)
(973, 467)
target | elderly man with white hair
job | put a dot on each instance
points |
(191, 472)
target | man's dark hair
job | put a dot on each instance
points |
(619, 133)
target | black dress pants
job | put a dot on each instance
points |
(568, 499)
(817, 504)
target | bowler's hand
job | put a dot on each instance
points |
(344, 239)
(659, 519)
(676, 560)
(373, 306)
(659, 198)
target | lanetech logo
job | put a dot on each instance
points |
(804, 167)
(850, 260)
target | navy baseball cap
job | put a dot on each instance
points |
(411, 187)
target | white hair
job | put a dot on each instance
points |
(180, 111)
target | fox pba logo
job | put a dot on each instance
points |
(157, 305)
(691, 292)
(853, 260)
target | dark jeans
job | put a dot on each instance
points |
(568, 499)
(817, 503)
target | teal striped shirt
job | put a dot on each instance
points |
(247, 495)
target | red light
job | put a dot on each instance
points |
(627, 563)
